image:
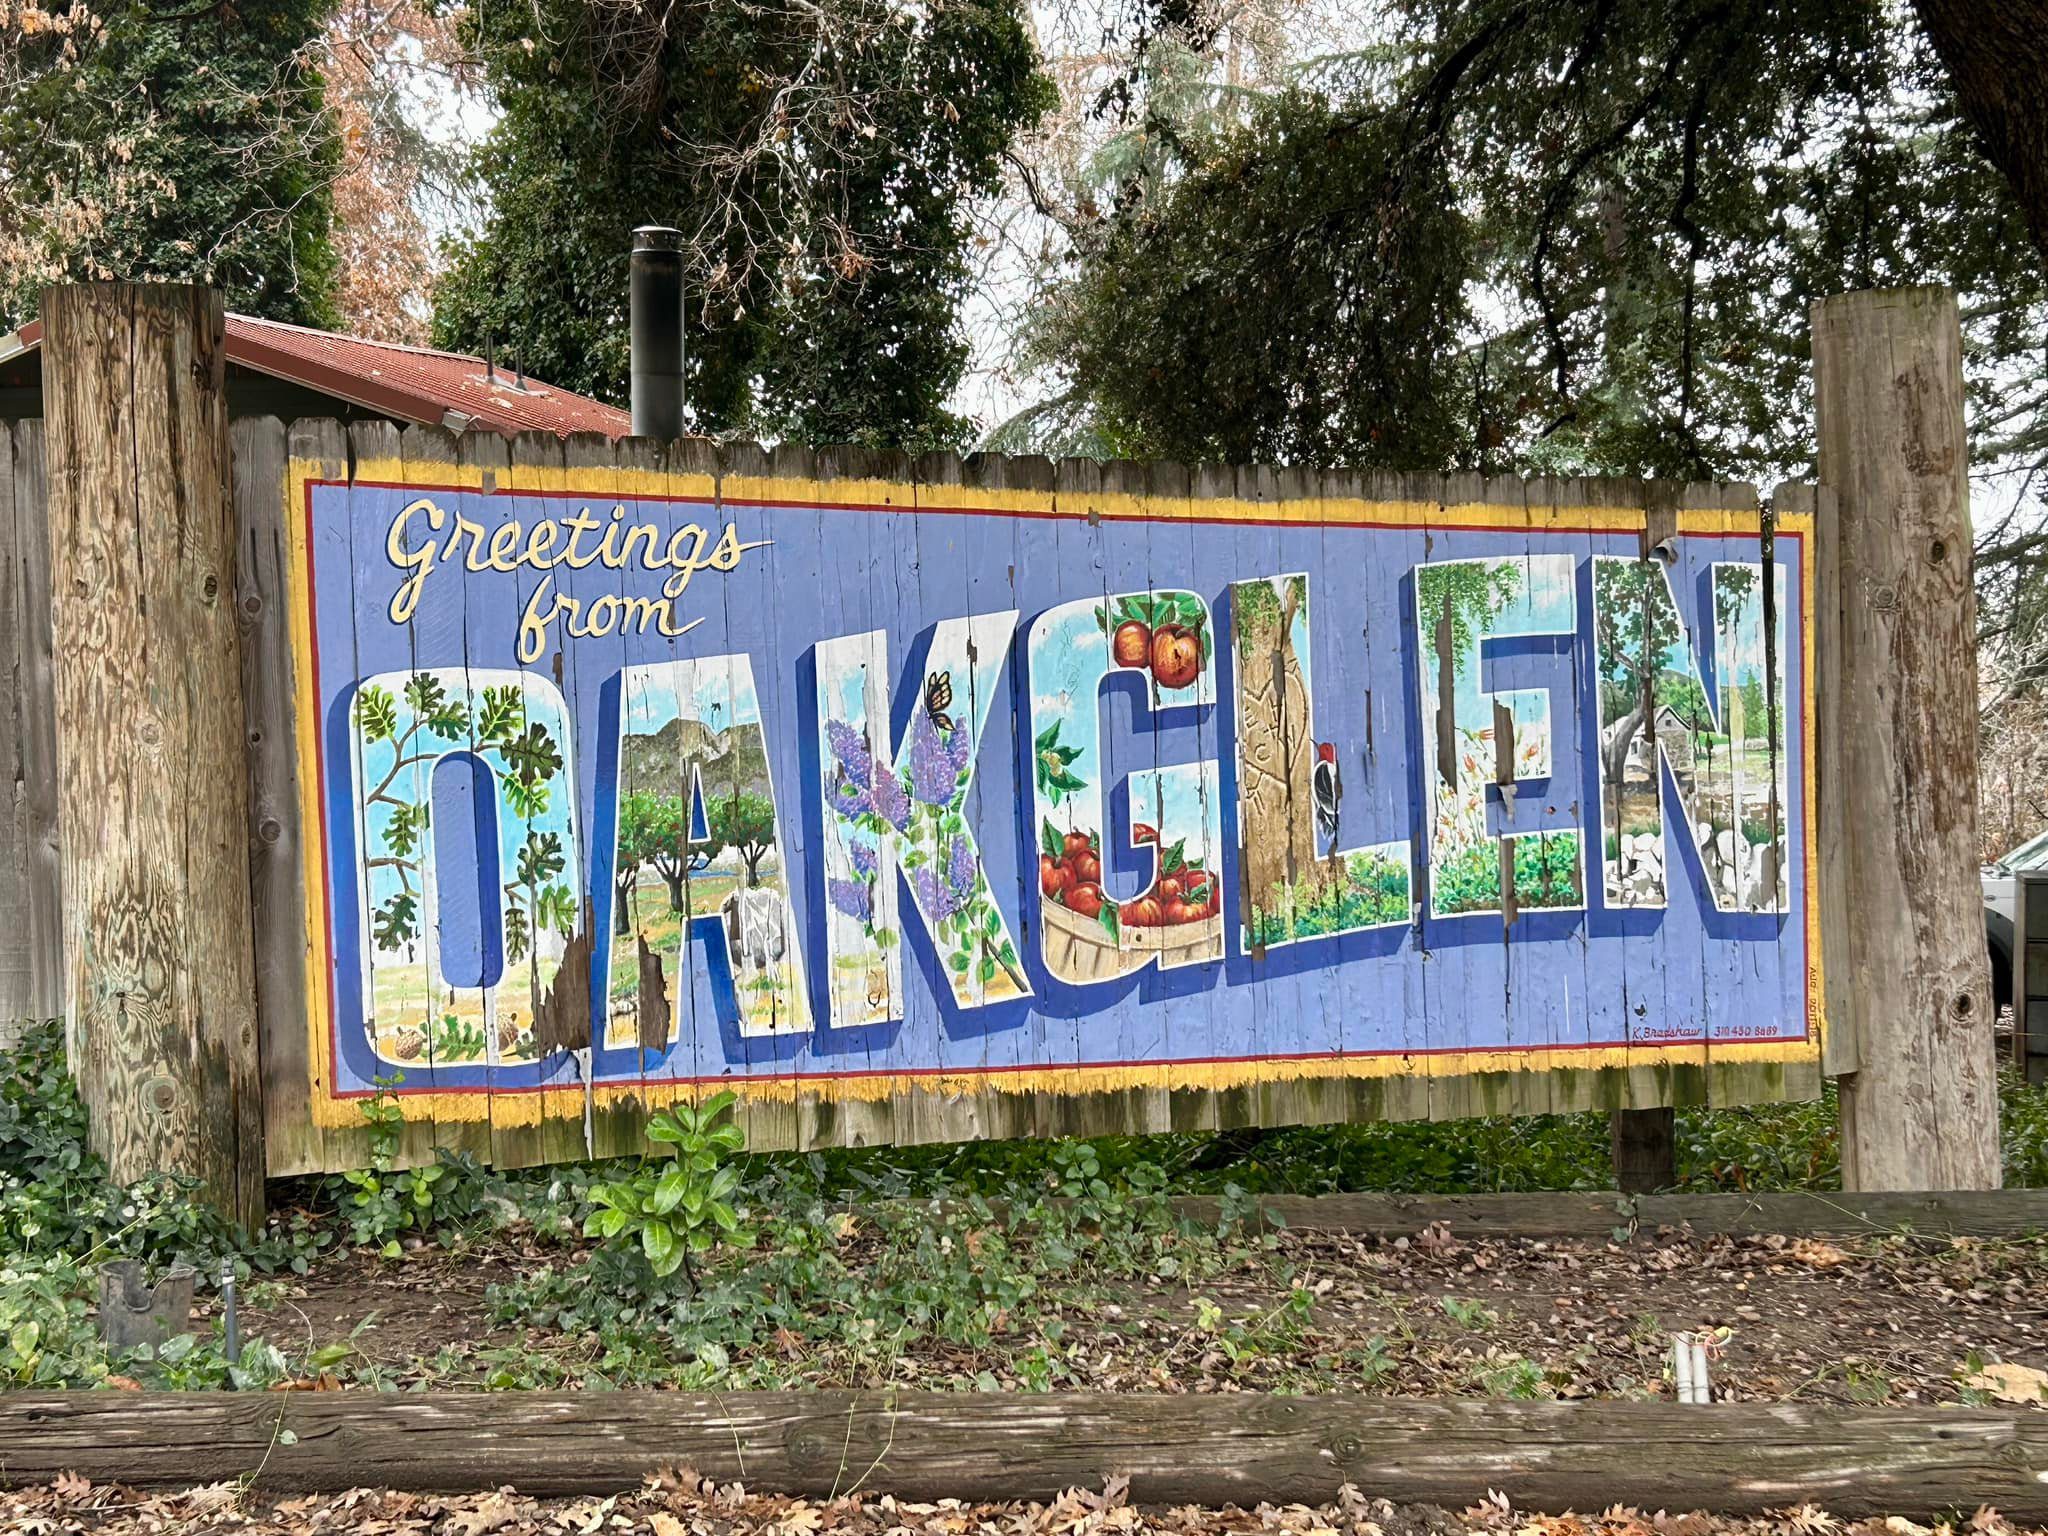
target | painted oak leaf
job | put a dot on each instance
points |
(376, 714)
(532, 755)
(502, 715)
(397, 921)
(540, 858)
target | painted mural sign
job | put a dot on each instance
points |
(620, 786)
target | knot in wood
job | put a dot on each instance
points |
(209, 588)
(1884, 597)
(160, 1097)
(1961, 1005)
(806, 1448)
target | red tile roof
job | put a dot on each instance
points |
(411, 383)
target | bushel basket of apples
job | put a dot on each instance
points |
(1088, 935)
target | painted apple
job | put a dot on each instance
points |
(1140, 912)
(1079, 842)
(1053, 876)
(1085, 899)
(1132, 645)
(1141, 833)
(1176, 656)
(1086, 867)
(1177, 912)
(1167, 889)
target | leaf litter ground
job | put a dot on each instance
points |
(678, 1503)
(1886, 1319)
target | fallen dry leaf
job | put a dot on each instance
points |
(1819, 1255)
(495, 1511)
(2010, 1383)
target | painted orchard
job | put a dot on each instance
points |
(1020, 800)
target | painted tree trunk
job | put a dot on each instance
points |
(1277, 758)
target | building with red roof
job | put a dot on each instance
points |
(292, 371)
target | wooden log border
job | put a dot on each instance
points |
(1611, 1215)
(1238, 1448)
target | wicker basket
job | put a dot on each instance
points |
(1079, 950)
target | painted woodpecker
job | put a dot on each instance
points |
(1327, 789)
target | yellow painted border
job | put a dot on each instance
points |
(522, 1107)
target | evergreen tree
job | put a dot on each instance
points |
(821, 162)
(137, 143)
(1640, 198)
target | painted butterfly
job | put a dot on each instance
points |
(938, 697)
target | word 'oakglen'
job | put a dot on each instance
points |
(823, 796)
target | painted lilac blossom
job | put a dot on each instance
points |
(855, 898)
(891, 801)
(937, 759)
(850, 748)
(962, 869)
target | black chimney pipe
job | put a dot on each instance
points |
(656, 285)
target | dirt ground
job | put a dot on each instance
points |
(1884, 1320)
(679, 1504)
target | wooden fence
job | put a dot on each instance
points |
(934, 799)
(31, 931)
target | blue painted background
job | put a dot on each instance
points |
(1559, 980)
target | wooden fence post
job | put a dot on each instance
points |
(1645, 1149)
(1921, 1110)
(153, 794)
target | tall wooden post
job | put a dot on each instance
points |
(1921, 1109)
(153, 793)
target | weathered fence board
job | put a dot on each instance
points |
(31, 916)
(1248, 797)
(1238, 1448)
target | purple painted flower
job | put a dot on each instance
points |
(962, 868)
(853, 897)
(931, 779)
(851, 750)
(936, 761)
(891, 801)
(935, 896)
(865, 862)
